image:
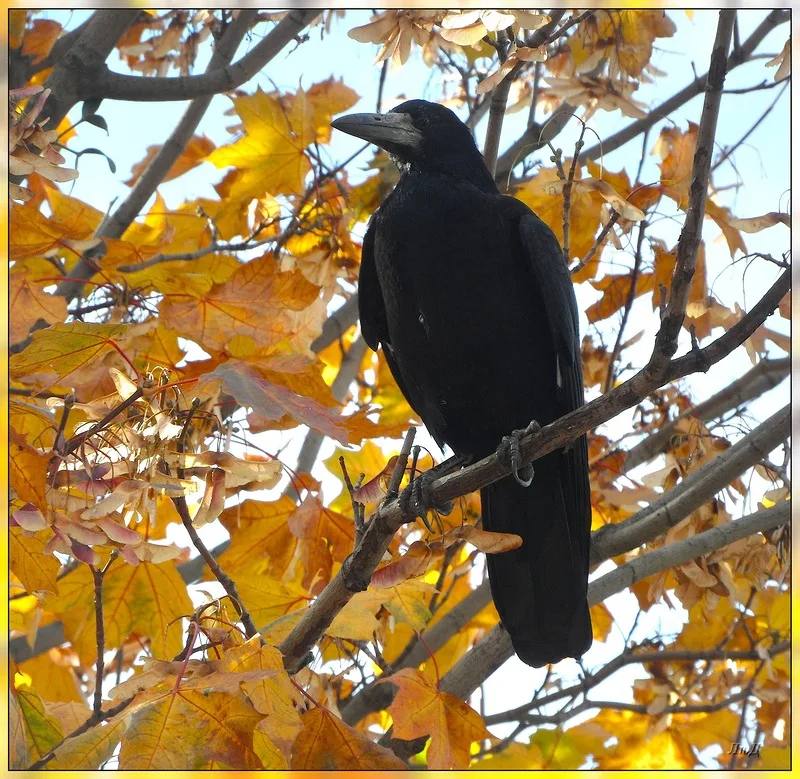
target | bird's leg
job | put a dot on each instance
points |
(508, 452)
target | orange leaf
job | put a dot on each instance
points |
(256, 303)
(755, 224)
(29, 304)
(485, 540)
(376, 487)
(31, 564)
(414, 562)
(39, 39)
(57, 353)
(273, 402)
(420, 709)
(260, 537)
(616, 289)
(326, 743)
(28, 468)
(196, 150)
(147, 600)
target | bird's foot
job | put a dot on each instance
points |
(509, 453)
(416, 499)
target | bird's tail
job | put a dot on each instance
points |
(540, 589)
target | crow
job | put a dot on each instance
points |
(468, 294)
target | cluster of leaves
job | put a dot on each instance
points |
(132, 411)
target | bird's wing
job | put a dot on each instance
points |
(370, 298)
(551, 276)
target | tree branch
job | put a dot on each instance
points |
(116, 86)
(337, 324)
(631, 656)
(683, 551)
(386, 521)
(606, 542)
(689, 240)
(87, 54)
(454, 484)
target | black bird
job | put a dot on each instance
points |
(468, 293)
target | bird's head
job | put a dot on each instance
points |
(422, 135)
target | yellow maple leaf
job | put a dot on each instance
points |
(327, 743)
(420, 709)
(191, 730)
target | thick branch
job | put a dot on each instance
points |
(87, 54)
(117, 86)
(689, 240)
(607, 542)
(337, 324)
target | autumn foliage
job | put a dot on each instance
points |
(184, 594)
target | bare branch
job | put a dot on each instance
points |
(682, 552)
(697, 488)
(607, 542)
(337, 324)
(764, 376)
(627, 309)
(689, 240)
(88, 53)
(390, 517)
(631, 656)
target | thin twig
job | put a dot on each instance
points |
(637, 262)
(612, 220)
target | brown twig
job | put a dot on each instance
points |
(97, 576)
(358, 508)
(587, 258)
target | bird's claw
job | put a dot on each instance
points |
(509, 452)
(416, 499)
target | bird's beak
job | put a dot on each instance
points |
(385, 130)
